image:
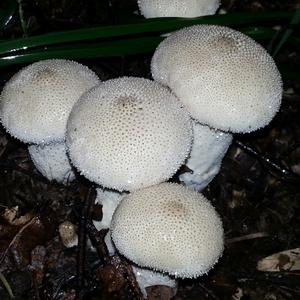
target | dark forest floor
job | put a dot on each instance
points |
(258, 202)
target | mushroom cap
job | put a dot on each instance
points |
(52, 161)
(128, 133)
(168, 228)
(35, 103)
(208, 149)
(177, 8)
(225, 79)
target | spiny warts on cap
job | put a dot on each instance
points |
(177, 8)
(225, 79)
(35, 103)
(128, 133)
(168, 228)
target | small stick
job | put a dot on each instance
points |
(85, 213)
(246, 237)
(208, 291)
(283, 172)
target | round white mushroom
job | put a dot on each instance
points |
(34, 107)
(168, 228)
(52, 161)
(208, 149)
(35, 103)
(177, 8)
(225, 79)
(128, 133)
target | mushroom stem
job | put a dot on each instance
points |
(208, 149)
(109, 200)
(146, 278)
(52, 161)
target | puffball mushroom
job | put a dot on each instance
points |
(224, 78)
(208, 149)
(128, 133)
(110, 200)
(168, 228)
(35, 104)
(178, 8)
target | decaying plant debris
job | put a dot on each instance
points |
(256, 193)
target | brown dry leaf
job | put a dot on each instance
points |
(288, 260)
(10, 216)
(17, 242)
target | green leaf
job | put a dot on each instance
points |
(150, 26)
(287, 32)
(8, 10)
(120, 47)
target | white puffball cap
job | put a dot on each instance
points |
(208, 149)
(35, 103)
(168, 228)
(225, 79)
(52, 161)
(177, 8)
(128, 133)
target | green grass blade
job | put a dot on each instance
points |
(6, 285)
(118, 47)
(144, 26)
(7, 12)
(288, 32)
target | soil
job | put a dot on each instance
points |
(256, 194)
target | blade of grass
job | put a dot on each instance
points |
(161, 25)
(7, 12)
(287, 32)
(105, 49)
(7, 286)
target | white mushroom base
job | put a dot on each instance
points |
(52, 161)
(146, 278)
(109, 201)
(208, 150)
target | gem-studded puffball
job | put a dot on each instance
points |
(177, 8)
(168, 228)
(128, 133)
(35, 103)
(225, 79)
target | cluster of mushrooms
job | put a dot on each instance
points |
(131, 135)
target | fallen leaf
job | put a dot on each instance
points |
(288, 260)
(17, 242)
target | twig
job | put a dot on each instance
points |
(97, 240)
(85, 213)
(209, 292)
(21, 16)
(246, 237)
(35, 286)
(284, 173)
